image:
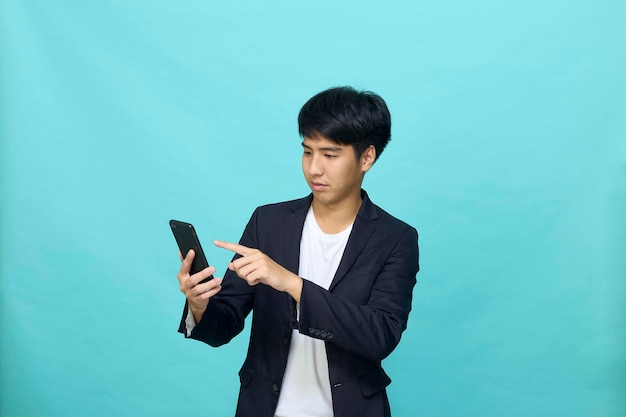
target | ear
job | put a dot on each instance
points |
(368, 157)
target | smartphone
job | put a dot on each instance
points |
(187, 239)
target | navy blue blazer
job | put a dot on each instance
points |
(360, 317)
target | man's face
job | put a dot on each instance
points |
(333, 171)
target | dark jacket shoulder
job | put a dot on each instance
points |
(286, 206)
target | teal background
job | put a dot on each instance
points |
(508, 155)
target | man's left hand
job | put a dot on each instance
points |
(256, 267)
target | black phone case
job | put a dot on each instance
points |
(187, 239)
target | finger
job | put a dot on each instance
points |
(252, 282)
(187, 262)
(199, 276)
(208, 286)
(240, 249)
(210, 293)
(180, 256)
(245, 270)
(243, 261)
(183, 273)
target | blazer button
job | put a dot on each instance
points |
(311, 329)
(329, 335)
(275, 387)
(323, 333)
(285, 340)
(316, 332)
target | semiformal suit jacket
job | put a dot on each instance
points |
(360, 317)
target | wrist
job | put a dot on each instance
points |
(295, 289)
(197, 311)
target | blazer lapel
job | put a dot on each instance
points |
(294, 224)
(364, 226)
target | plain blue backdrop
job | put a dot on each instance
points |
(508, 155)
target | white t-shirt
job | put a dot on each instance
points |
(306, 385)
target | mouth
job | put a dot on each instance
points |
(317, 186)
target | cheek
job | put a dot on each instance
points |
(347, 173)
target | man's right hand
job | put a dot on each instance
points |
(198, 295)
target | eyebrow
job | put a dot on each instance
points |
(326, 148)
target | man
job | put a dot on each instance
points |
(329, 277)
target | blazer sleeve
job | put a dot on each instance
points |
(226, 312)
(373, 329)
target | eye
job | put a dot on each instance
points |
(307, 152)
(330, 156)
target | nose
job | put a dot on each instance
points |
(313, 166)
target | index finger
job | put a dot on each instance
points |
(240, 249)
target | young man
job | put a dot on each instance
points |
(329, 277)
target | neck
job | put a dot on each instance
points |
(336, 217)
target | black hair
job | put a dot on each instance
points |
(348, 117)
